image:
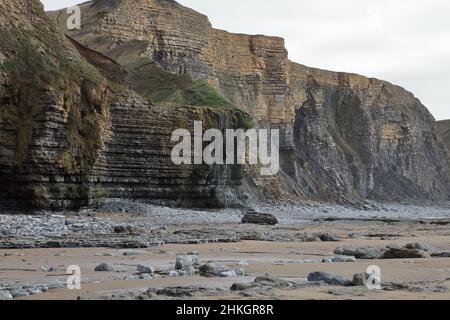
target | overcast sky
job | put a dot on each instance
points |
(406, 42)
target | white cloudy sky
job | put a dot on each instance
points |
(406, 42)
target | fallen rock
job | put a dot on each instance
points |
(319, 276)
(327, 260)
(210, 270)
(345, 251)
(327, 278)
(104, 267)
(260, 218)
(405, 253)
(5, 295)
(240, 272)
(132, 253)
(368, 253)
(343, 259)
(444, 254)
(360, 279)
(228, 274)
(177, 292)
(329, 237)
(145, 269)
(421, 246)
(17, 293)
(271, 281)
(132, 230)
(241, 286)
(186, 261)
(341, 281)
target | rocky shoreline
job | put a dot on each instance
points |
(137, 251)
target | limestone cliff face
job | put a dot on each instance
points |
(70, 137)
(344, 137)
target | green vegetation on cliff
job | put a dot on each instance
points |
(164, 88)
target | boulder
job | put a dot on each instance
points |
(186, 261)
(369, 253)
(329, 237)
(210, 270)
(104, 267)
(421, 246)
(327, 278)
(360, 279)
(271, 281)
(241, 286)
(5, 295)
(260, 218)
(343, 259)
(405, 253)
(319, 276)
(145, 269)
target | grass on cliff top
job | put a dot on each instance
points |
(165, 88)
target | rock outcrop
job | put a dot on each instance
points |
(345, 137)
(443, 130)
(72, 133)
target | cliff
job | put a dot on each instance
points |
(345, 137)
(73, 134)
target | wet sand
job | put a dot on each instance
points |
(292, 261)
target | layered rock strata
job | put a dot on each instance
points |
(345, 137)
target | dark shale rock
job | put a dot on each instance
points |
(260, 218)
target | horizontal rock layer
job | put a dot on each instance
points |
(344, 137)
(69, 138)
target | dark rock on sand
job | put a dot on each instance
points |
(405, 253)
(260, 218)
(104, 267)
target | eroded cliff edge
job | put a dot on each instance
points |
(71, 135)
(345, 137)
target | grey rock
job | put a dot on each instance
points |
(327, 260)
(34, 291)
(186, 261)
(241, 286)
(345, 251)
(174, 274)
(444, 254)
(145, 269)
(271, 281)
(343, 259)
(212, 270)
(329, 237)
(421, 246)
(259, 218)
(360, 279)
(405, 253)
(393, 246)
(319, 276)
(327, 278)
(369, 253)
(17, 293)
(5, 295)
(228, 274)
(132, 253)
(341, 281)
(145, 276)
(240, 272)
(104, 267)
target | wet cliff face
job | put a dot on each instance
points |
(344, 137)
(73, 134)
